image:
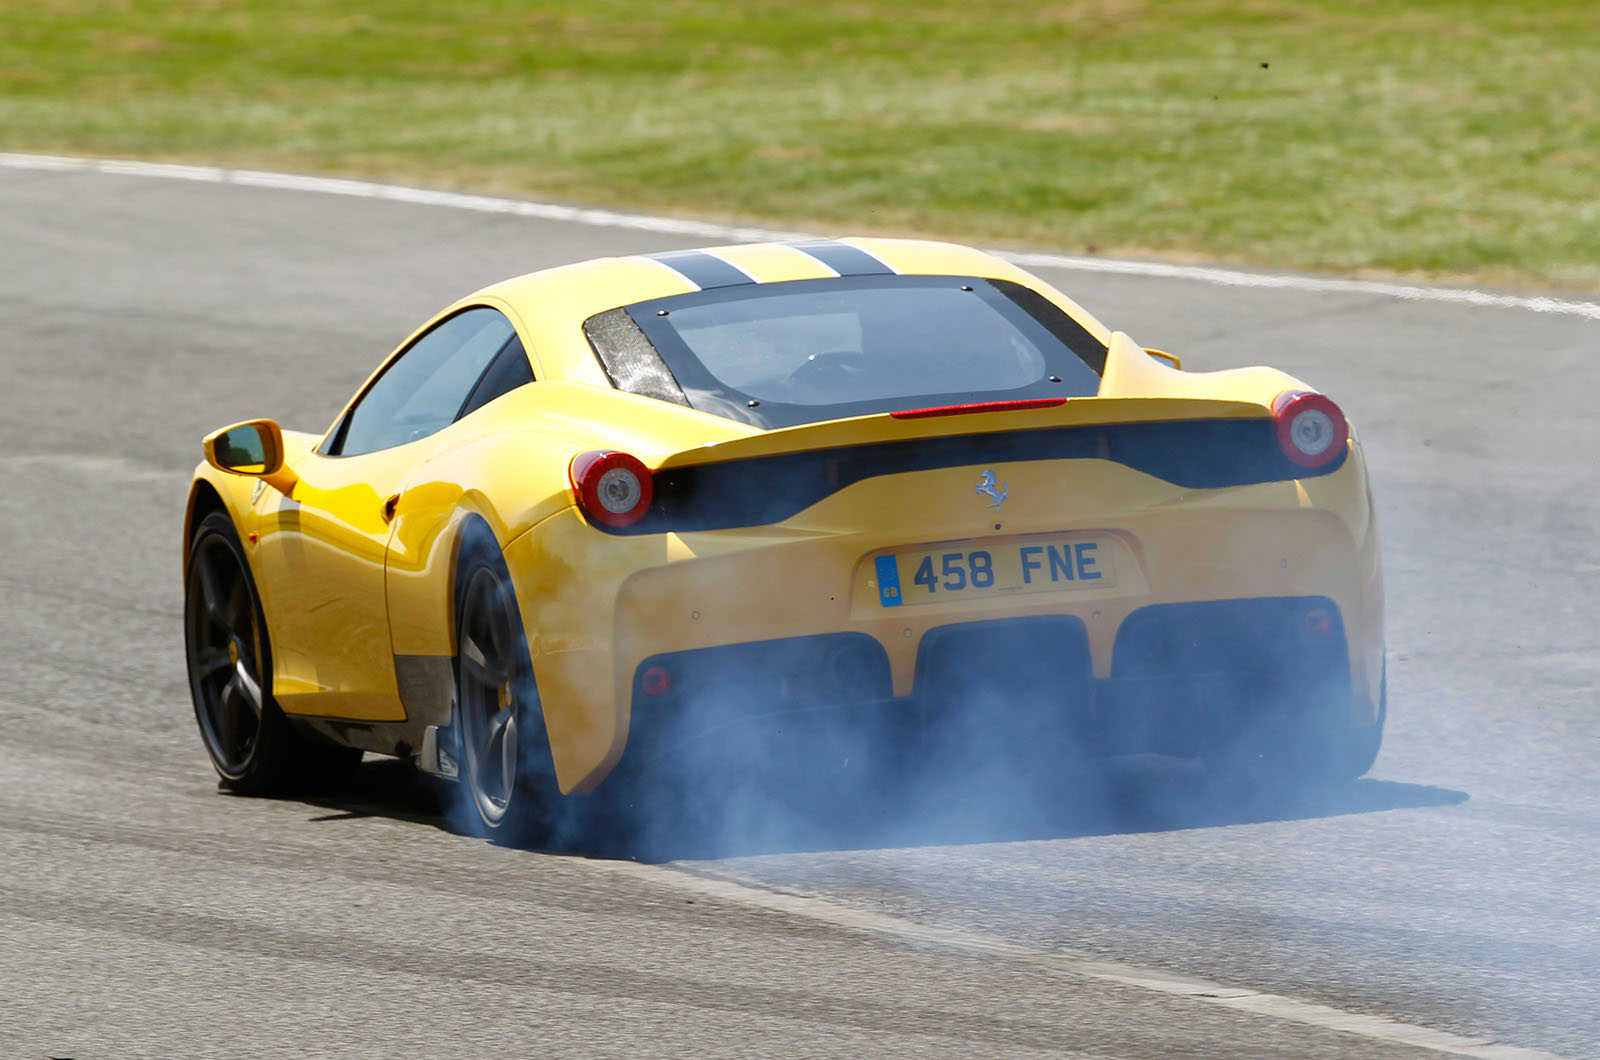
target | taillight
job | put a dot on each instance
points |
(614, 489)
(1311, 430)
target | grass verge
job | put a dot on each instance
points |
(1446, 139)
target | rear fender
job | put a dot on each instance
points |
(1131, 371)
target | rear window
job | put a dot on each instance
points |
(781, 354)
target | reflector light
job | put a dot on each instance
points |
(1312, 432)
(981, 406)
(1319, 622)
(656, 681)
(614, 489)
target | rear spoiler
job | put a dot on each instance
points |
(1192, 442)
(1135, 389)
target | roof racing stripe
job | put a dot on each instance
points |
(703, 270)
(843, 258)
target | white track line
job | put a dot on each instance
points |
(735, 233)
(111, 468)
(1375, 1028)
(1236, 278)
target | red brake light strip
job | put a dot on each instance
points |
(981, 406)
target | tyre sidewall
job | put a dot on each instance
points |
(266, 768)
(536, 813)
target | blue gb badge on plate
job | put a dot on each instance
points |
(888, 581)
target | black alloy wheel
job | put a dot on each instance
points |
(252, 745)
(506, 769)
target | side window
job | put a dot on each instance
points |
(426, 386)
(509, 371)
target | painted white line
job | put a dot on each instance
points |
(363, 189)
(743, 234)
(1236, 278)
(111, 469)
(1373, 1028)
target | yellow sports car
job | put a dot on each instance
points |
(862, 497)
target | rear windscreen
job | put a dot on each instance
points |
(781, 354)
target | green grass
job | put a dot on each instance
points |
(1433, 139)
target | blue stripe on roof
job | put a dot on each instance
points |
(843, 258)
(701, 269)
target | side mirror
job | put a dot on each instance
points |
(253, 448)
(1169, 358)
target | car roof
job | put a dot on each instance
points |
(551, 305)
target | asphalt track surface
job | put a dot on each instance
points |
(143, 913)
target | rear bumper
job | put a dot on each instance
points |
(787, 620)
(1185, 678)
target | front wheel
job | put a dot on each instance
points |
(507, 774)
(251, 743)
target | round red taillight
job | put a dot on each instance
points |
(1311, 430)
(614, 489)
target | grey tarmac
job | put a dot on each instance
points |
(144, 913)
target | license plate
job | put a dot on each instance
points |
(973, 570)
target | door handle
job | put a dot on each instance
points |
(389, 506)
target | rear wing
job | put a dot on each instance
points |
(1136, 389)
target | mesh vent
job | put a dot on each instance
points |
(629, 359)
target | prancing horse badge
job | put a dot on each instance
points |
(996, 492)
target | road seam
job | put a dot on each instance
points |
(747, 234)
(1253, 1002)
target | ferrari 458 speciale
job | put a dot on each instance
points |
(599, 521)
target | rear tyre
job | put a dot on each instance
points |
(1314, 756)
(252, 745)
(507, 774)
(1362, 744)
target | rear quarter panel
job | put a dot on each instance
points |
(507, 465)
